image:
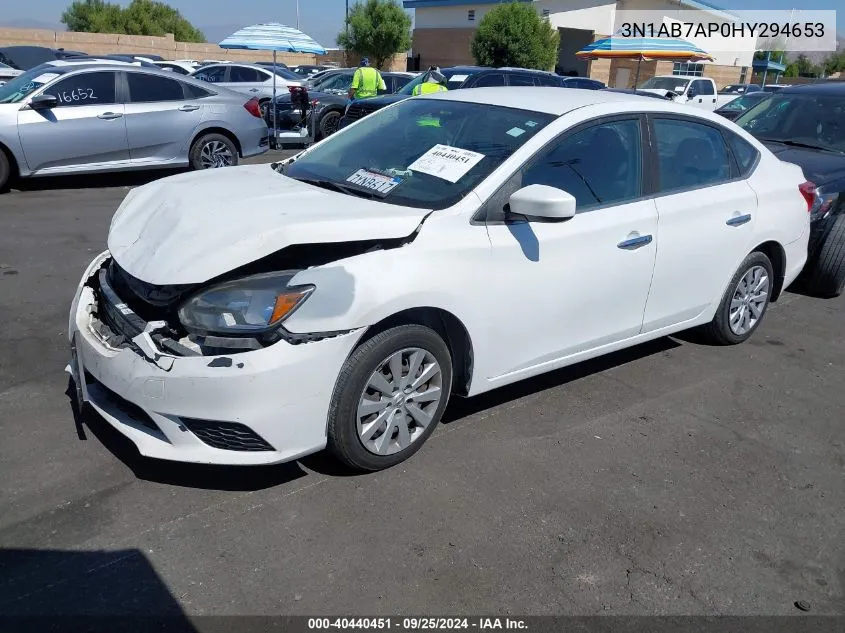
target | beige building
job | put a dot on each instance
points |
(443, 30)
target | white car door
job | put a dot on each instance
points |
(572, 286)
(706, 224)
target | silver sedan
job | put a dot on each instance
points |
(74, 117)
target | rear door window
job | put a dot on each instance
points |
(212, 74)
(244, 75)
(489, 80)
(145, 88)
(520, 79)
(690, 155)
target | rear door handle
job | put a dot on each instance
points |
(109, 115)
(188, 108)
(739, 220)
(253, 89)
(635, 242)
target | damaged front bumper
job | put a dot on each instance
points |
(263, 406)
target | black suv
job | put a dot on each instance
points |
(805, 125)
(462, 77)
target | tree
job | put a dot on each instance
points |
(378, 29)
(835, 62)
(515, 35)
(802, 66)
(94, 16)
(141, 17)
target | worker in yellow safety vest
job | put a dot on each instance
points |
(366, 81)
(435, 82)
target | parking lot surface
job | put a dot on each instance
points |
(672, 478)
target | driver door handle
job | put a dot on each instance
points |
(635, 242)
(188, 108)
(109, 115)
(739, 220)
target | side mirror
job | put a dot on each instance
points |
(43, 102)
(543, 202)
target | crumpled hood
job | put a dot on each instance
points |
(196, 226)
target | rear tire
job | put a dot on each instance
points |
(5, 172)
(378, 419)
(211, 151)
(826, 276)
(329, 123)
(744, 303)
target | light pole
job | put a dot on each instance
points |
(297, 14)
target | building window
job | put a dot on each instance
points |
(471, 15)
(546, 13)
(684, 68)
(743, 74)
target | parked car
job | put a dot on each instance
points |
(584, 83)
(640, 93)
(735, 107)
(26, 57)
(458, 77)
(775, 87)
(805, 125)
(180, 68)
(739, 89)
(7, 73)
(308, 70)
(327, 106)
(699, 92)
(250, 79)
(65, 118)
(339, 297)
(270, 65)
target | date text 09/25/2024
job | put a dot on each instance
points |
(416, 624)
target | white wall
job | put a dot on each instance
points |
(449, 17)
(591, 15)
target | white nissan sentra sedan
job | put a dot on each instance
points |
(447, 244)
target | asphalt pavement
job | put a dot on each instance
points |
(672, 478)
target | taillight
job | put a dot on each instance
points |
(808, 190)
(253, 107)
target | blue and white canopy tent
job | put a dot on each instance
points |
(644, 48)
(272, 37)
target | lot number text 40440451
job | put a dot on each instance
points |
(418, 623)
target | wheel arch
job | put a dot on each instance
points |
(777, 255)
(217, 130)
(14, 167)
(448, 326)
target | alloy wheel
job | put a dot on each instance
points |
(749, 300)
(399, 401)
(215, 154)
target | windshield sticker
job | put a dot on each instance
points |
(373, 181)
(449, 163)
(516, 131)
(458, 77)
(530, 124)
(43, 79)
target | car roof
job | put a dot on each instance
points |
(548, 100)
(820, 88)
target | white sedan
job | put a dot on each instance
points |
(447, 244)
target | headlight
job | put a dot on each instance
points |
(251, 305)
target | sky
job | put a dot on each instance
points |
(321, 19)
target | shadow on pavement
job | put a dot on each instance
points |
(202, 476)
(463, 407)
(240, 478)
(55, 590)
(94, 181)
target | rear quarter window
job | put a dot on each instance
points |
(744, 153)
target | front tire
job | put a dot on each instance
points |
(5, 171)
(827, 273)
(389, 397)
(329, 123)
(212, 151)
(744, 303)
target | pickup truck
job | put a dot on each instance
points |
(699, 92)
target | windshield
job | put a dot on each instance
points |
(745, 101)
(18, 88)
(677, 86)
(810, 119)
(439, 151)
